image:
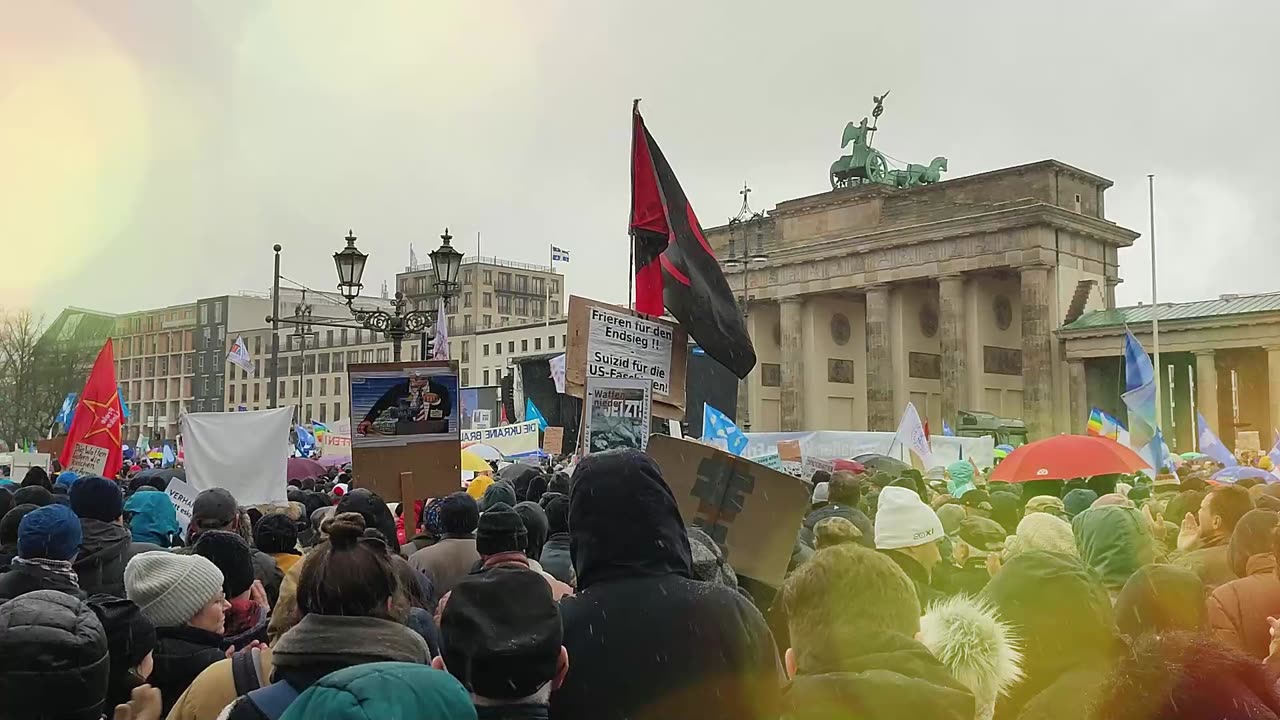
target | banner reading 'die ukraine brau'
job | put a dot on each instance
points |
(510, 440)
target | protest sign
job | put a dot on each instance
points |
(183, 499)
(788, 450)
(751, 511)
(88, 459)
(510, 440)
(674, 429)
(614, 342)
(405, 428)
(849, 444)
(811, 465)
(244, 452)
(617, 413)
(22, 462)
(773, 461)
(332, 445)
(403, 403)
(553, 440)
(481, 419)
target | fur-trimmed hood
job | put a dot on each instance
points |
(978, 649)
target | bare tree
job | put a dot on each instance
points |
(36, 373)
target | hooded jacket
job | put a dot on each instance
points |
(889, 676)
(153, 519)
(852, 514)
(555, 558)
(54, 659)
(105, 550)
(181, 654)
(1063, 618)
(687, 649)
(384, 690)
(1239, 609)
(978, 649)
(1113, 542)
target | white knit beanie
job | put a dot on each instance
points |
(821, 493)
(169, 588)
(903, 520)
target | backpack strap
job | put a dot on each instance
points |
(273, 699)
(244, 671)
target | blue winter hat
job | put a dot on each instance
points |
(51, 532)
(68, 478)
(97, 498)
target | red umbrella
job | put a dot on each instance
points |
(300, 468)
(1067, 456)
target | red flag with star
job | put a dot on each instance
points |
(93, 441)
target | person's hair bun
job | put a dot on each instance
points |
(344, 529)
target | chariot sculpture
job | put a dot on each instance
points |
(864, 164)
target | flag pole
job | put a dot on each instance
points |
(546, 309)
(631, 237)
(1155, 304)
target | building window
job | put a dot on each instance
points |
(522, 283)
(281, 393)
(511, 346)
(537, 343)
(466, 324)
(384, 355)
(328, 338)
(337, 411)
(257, 392)
(535, 308)
(308, 415)
(366, 356)
(324, 386)
(466, 299)
(488, 321)
(257, 345)
(486, 300)
(204, 317)
(337, 386)
(337, 362)
(323, 414)
(504, 303)
(466, 351)
(310, 387)
(311, 363)
(323, 363)
(504, 282)
(342, 336)
(487, 276)
(555, 308)
(466, 377)
(555, 287)
(484, 350)
(497, 348)
(551, 342)
(466, 277)
(537, 285)
(452, 329)
(217, 313)
(353, 357)
(524, 345)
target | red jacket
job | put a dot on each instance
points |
(1238, 610)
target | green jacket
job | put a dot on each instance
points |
(376, 691)
(1113, 542)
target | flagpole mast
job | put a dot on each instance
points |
(546, 308)
(631, 266)
(1155, 303)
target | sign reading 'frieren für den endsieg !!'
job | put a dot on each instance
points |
(622, 346)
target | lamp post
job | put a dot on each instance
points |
(741, 225)
(446, 261)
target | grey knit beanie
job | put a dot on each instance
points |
(170, 588)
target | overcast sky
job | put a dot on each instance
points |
(151, 152)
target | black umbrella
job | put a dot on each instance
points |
(875, 462)
(157, 478)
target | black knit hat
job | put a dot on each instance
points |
(560, 483)
(501, 633)
(558, 514)
(34, 494)
(276, 533)
(10, 522)
(458, 514)
(97, 498)
(130, 638)
(499, 492)
(500, 530)
(233, 557)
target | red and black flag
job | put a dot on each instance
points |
(674, 265)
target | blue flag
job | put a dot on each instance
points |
(716, 426)
(1140, 398)
(169, 457)
(1210, 444)
(68, 410)
(306, 441)
(124, 406)
(947, 431)
(531, 413)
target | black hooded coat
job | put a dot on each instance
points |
(648, 641)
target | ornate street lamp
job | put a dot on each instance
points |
(395, 325)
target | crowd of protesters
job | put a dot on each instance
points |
(579, 593)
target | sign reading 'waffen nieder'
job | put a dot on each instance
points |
(621, 346)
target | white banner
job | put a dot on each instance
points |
(244, 452)
(849, 444)
(622, 346)
(510, 440)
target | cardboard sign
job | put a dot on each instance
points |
(510, 440)
(553, 440)
(22, 462)
(1247, 441)
(410, 449)
(92, 460)
(789, 450)
(773, 461)
(610, 341)
(811, 465)
(183, 498)
(617, 413)
(751, 511)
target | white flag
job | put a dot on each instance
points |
(557, 372)
(440, 345)
(559, 254)
(911, 433)
(239, 355)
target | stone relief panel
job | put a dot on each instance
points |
(840, 371)
(1001, 361)
(926, 366)
(771, 374)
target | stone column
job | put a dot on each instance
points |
(1078, 389)
(880, 411)
(1273, 395)
(1109, 299)
(955, 374)
(792, 350)
(1207, 389)
(743, 417)
(1037, 361)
